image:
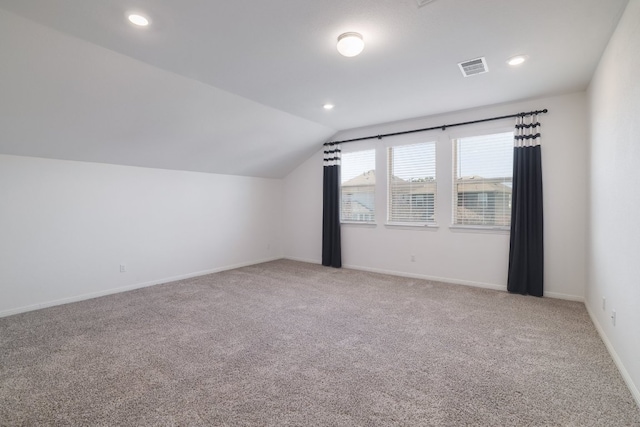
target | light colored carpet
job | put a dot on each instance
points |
(288, 343)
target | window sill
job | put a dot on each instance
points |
(365, 224)
(412, 226)
(480, 229)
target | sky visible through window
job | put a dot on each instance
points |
(486, 156)
(423, 168)
(357, 163)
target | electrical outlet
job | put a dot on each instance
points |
(604, 303)
(123, 268)
(613, 317)
(413, 258)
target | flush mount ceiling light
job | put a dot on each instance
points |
(138, 20)
(516, 60)
(350, 44)
(328, 106)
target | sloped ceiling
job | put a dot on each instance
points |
(237, 87)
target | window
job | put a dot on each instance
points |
(412, 183)
(358, 182)
(482, 178)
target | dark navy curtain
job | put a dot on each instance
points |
(526, 253)
(331, 250)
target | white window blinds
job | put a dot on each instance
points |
(358, 182)
(412, 183)
(482, 180)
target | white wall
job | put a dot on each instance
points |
(614, 229)
(65, 227)
(302, 238)
(467, 257)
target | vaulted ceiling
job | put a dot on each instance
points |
(237, 87)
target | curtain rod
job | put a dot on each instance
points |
(443, 127)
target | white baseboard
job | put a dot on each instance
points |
(567, 297)
(427, 277)
(493, 286)
(616, 359)
(307, 260)
(91, 295)
(410, 275)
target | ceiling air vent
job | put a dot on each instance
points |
(473, 67)
(424, 2)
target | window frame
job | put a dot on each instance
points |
(453, 138)
(355, 149)
(427, 138)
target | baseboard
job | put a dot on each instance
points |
(111, 291)
(427, 277)
(567, 297)
(410, 275)
(616, 359)
(403, 274)
(308, 261)
(493, 286)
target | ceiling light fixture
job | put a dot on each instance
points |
(138, 20)
(350, 44)
(517, 60)
(328, 106)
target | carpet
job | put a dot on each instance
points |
(287, 343)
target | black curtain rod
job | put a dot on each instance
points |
(443, 127)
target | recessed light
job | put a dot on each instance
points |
(138, 20)
(328, 106)
(517, 60)
(350, 44)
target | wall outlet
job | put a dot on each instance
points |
(123, 268)
(413, 258)
(613, 317)
(604, 303)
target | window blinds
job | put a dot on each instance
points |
(358, 181)
(482, 180)
(412, 183)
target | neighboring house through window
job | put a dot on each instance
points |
(482, 169)
(482, 175)
(358, 182)
(411, 183)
